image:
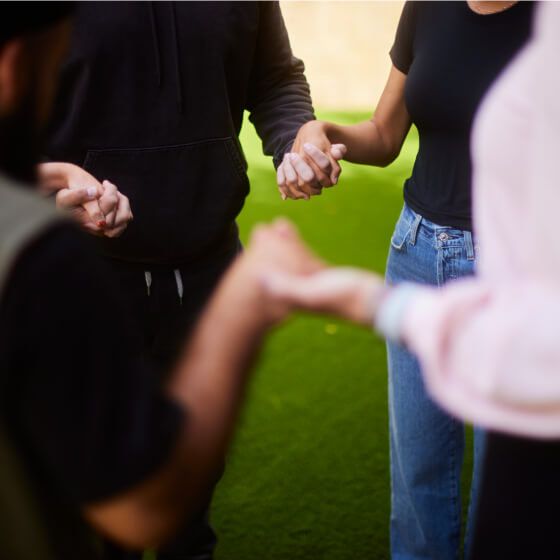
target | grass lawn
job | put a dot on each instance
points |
(307, 476)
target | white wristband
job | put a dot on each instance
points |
(390, 313)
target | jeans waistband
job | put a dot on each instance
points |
(417, 219)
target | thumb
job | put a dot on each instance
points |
(67, 199)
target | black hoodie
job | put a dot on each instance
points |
(152, 96)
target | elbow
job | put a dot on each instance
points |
(138, 527)
(391, 152)
(385, 158)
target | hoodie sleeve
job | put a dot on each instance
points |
(279, 100)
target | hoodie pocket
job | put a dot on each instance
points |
(184, 197)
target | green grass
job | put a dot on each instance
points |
(307, 475)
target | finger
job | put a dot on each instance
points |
(280, 176)
(292, 180)
(338, 151)
(307, 182)
(93, 229)
(109, 203)
(319, 158)
(123, 214)
(326, 290)
(322, 179)
(335, 170)
(258, 233)
(322, 161)
(303, 170)
(69, 199)
(296, 290)
(281, 180)
(285, 228)
(115, 232)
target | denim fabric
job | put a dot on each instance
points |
(427, 445)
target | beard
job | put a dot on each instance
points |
(20, 141)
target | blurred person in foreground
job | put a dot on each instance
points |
(489, 346)
(104, 452)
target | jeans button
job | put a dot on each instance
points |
(443, 237)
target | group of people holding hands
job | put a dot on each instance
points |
(119, 412)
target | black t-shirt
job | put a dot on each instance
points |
(451, 56)
(75, 398)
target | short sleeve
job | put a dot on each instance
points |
(83, 404)
(402, 50)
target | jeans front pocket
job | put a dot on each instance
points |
(184, 197)
(403, 229)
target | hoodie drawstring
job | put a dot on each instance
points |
(179, 282)
(148, 278)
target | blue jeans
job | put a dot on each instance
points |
(427, 445)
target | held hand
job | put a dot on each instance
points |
(73, 202)
(312, 165)
(274, 248)
(116, 208)
(349, 293)
(54, 177)
(296, 178)
(107, 213)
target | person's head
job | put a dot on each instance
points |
(33, 40)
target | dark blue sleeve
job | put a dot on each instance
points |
(279, 99)
(82, 402)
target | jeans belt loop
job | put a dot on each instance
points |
(414, 229)
(469, 245)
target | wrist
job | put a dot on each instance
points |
(369, 295)
(241, 301)
(392, 309)
(53, 176)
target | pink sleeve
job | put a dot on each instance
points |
(491, 354)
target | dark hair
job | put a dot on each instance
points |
(22, 18)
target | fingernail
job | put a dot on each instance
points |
(92, 192)
(293, 157)
(307, 146)
(101, 223)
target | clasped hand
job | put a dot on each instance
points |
(100, 208)
(311, 165)
(286, 273)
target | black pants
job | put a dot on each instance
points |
(165, 318)
(518, 515)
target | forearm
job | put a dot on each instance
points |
(278, 97)
(365, 143)
(489, 354)
(211, 378)
(208, 383)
